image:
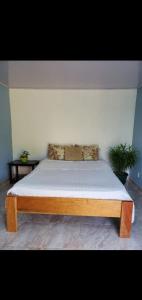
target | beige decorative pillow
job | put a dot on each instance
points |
(56, 152)
(90, 152)
(73, 153)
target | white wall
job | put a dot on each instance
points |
(39, 117)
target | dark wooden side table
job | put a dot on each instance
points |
(18, 163)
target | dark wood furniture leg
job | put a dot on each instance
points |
(16, 173)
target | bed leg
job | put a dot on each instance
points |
(11, 214)
(126, 219)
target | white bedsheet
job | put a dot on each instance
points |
(75, 179)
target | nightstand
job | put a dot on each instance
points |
(17, 163)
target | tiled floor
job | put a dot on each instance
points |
(70, 233)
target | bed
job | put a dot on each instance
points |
(77, 188)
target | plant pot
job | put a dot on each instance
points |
(122, 176)
(23, 160)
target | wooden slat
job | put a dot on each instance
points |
(11, 213)
(69, 206)
(126, 219)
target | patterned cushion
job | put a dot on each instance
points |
(56, 152)
(90, 152)
(73, 153)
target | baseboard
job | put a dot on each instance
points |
(4, 183)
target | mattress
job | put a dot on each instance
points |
(75, 179)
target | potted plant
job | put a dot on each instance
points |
(24, 156)
(122, 158)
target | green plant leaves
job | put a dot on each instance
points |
(24, 154)
(122, 157)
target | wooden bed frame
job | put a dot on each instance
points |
(69, 206)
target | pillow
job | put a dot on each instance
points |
(73, 153)
(90, 152)
(56, 152)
